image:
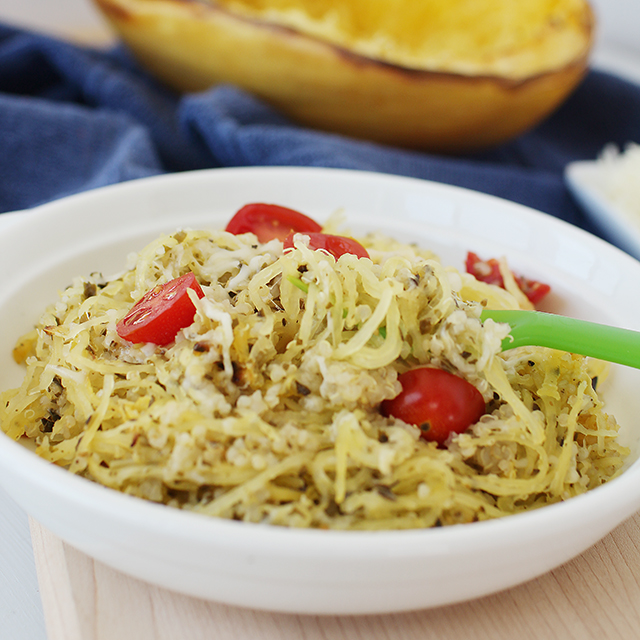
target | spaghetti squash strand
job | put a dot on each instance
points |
(266, 407)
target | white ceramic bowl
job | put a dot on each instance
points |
(310, 571)
(585, 179)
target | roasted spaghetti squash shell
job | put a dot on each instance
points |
(192, 45)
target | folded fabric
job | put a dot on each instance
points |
(75, 118)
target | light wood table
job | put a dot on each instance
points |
(595, 596)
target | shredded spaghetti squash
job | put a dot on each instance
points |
(266, 408)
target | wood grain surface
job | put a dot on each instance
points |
(597, 596)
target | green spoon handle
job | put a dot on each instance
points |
(540, 329)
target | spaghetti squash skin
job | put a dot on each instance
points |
(454, 77)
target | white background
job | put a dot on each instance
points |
(617, 49)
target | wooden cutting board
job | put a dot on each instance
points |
(594, 596)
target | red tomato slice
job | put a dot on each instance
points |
(269, 221)
(533, 289)
(436, 401)
(335, 245)
(489, 271)
(484, 270)
(161, 313)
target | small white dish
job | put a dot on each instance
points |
(585, 181)
(312, 571)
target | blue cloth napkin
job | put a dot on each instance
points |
(74, 118)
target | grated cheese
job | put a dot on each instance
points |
(620, 178)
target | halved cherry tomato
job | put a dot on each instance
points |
(533, 289)
(484, 270)
(269, 221)
(436, 401)
(335, 245)
(489, 271)
(161, 313)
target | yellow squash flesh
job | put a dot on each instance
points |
(439, 75)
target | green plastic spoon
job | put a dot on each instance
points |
(536, 328)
